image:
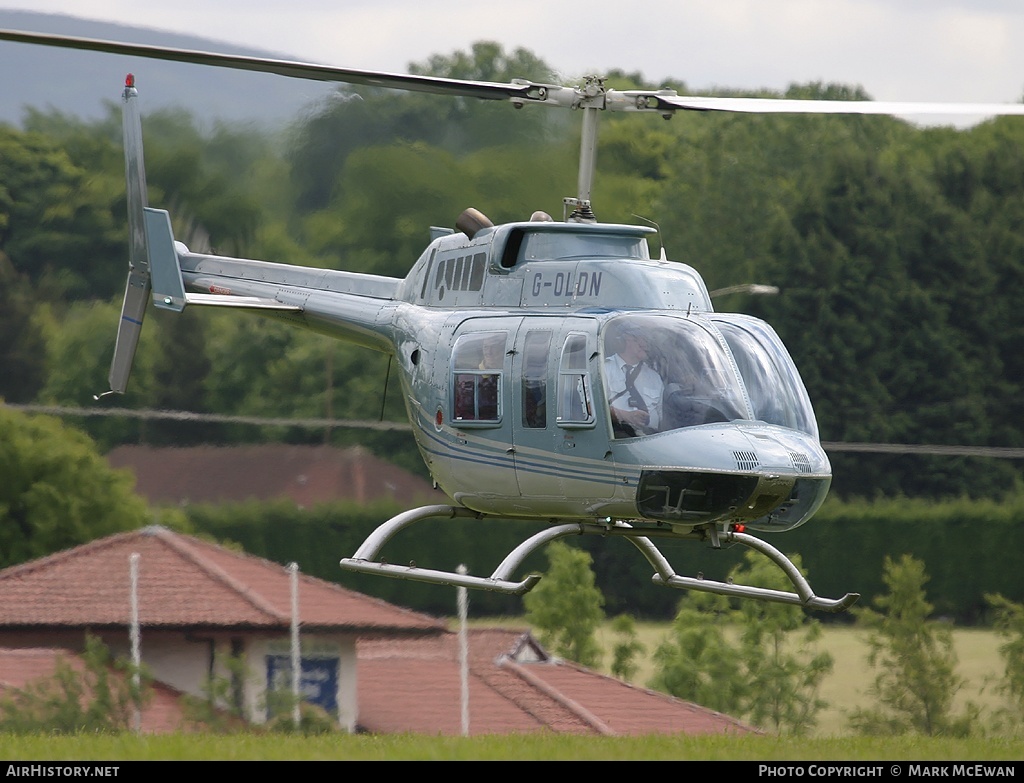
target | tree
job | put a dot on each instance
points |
(626, 648)
(57, 491)
(78, 354)
(782, 680)
(566, 606)
(916, 662)
(179, 375)
(696, 661)
(1009, 622)
(367, 117)
(22, 342)
(56, 218)
(759, 676)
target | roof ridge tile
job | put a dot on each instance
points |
(551, 692)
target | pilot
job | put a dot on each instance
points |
(634, 388)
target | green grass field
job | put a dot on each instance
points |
(980, 664)
(535, 747)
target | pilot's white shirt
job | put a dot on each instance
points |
(647, 382)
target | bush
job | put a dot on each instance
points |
(103, 696)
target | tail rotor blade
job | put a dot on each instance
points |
(137, 288)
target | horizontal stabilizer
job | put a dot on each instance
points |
(168, 285)
(246, 302)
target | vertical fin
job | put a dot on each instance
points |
(137, 287)
(165, 274)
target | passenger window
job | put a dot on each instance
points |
(535, 379)
(478, 362)
(575, 403)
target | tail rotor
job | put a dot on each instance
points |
(138, 286)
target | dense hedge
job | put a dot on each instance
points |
(970, 549)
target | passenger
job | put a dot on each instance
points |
(493, 353)
(493, 359)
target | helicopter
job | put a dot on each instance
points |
(552, 370)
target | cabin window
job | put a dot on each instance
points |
(535, 379)
(548, 245)
(478, 362)
(459, 273)
(575, 402)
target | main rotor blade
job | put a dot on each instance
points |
(519, 91)
(525, 91)
(791, 106)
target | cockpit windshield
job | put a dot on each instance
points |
(776, 392)
(665, 372)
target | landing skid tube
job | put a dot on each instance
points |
(365, 561)
(803, 596)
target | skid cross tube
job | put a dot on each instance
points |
(501, 581)
(364, 559)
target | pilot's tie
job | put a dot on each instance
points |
(636, 399)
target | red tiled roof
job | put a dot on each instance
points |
(305, 474)
(162, 711)
(415, 686)
(184, 582)
(626, 709)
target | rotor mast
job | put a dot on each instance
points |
(592, 102)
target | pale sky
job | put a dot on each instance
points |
(898, 50)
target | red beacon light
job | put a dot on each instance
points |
(739, 528)
(129, 80)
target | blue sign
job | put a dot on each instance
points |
(318, 680)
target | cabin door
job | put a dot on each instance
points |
(481, 384)
(559, 435)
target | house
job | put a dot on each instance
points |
(306, 475)
(199, 607)
(378, 667)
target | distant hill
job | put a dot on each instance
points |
(83, 83)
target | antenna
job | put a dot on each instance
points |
(657, 227)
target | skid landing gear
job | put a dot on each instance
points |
(365, 560)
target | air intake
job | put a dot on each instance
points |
(746, 460)
(800, 462)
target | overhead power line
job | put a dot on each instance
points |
(996, 452)
(212, 418)
(999, 452)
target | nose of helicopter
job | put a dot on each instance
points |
(769, 478)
